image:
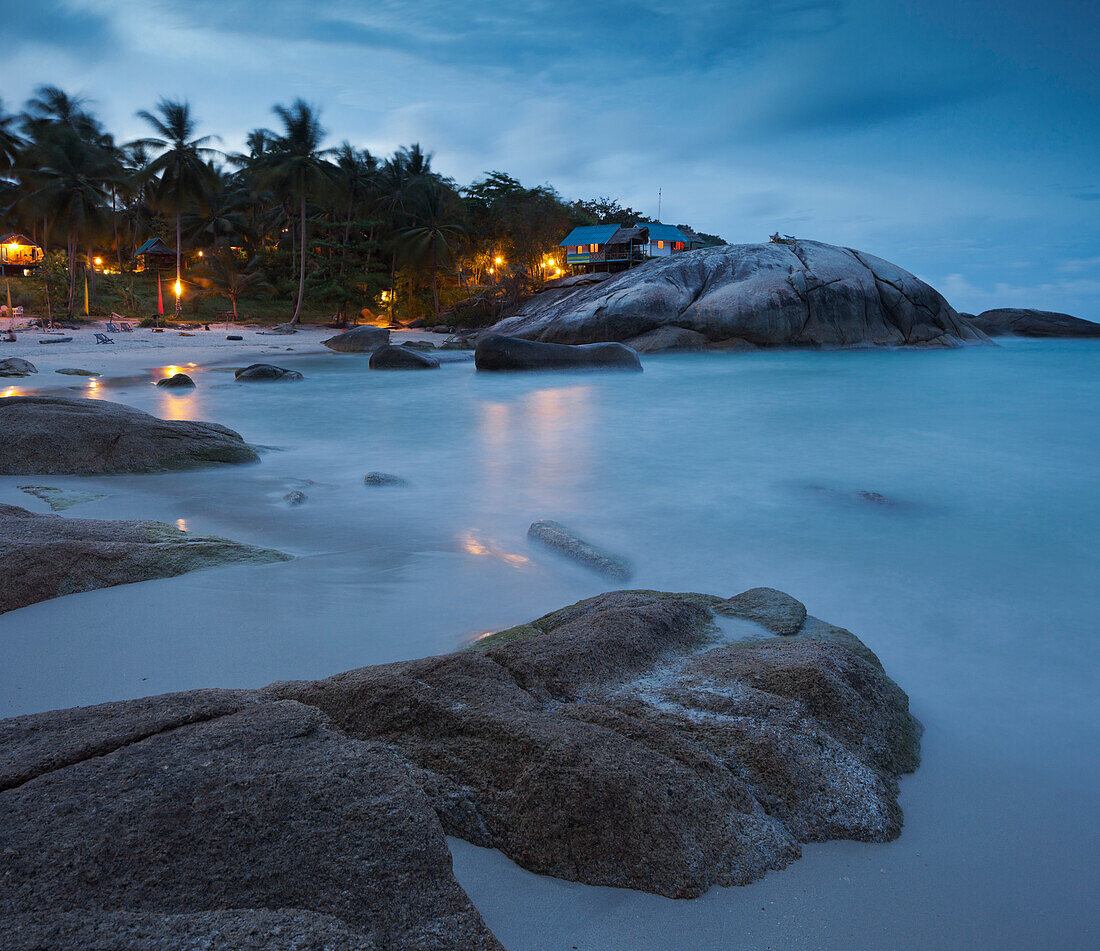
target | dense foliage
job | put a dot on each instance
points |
(291, 226)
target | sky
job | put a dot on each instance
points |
(959, 139)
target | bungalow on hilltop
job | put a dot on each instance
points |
(618, 247)
(19, 256)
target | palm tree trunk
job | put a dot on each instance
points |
(114, 220)
(179, 253)
(302, 270)
(72, 272)
(435, 287)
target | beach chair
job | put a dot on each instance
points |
(103, 338)
(119, 324)
(111, 327)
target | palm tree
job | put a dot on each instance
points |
(182, 166)
(296, 165)
(227, 273)
(220, 210)
(10, 142)
(72, 176)
(355, 177)
(433, 231)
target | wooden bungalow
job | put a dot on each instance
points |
(605, 248)
(19, 256)
(156, 255)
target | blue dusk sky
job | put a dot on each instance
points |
(957, 138)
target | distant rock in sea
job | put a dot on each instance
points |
(177, 381)
(1016, 322)
(265, 372)
(621, 741)
(401, 358)
(801, 294)
(359, 340)
(53, 435)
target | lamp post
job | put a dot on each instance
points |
(178, 288)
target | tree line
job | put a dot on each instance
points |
(291, 217)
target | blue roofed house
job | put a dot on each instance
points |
(618, 247)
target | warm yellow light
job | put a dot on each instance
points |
(500, 260)
(490, 270)
(200, 254)
(98, 261)
(178, 288)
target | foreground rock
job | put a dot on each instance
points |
(359, 340)
(61, 436)
(401, 358)
(571, 545)
(620, 741)
(263, 372)
(47, 556)
(16, 366)
(76, 371)
(225, 810)
(801, 294)
(497, 352)
(1015, 322)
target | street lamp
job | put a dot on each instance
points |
(178, 288)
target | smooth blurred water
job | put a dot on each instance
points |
(975, 582)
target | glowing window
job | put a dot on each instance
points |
(660, 244)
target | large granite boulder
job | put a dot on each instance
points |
(1016, 322)
(359, 340)
(47, 556)
(497, 352)
(627, 740)
(800, 294)
(401, 358)
(223, 813)
(623, 741)
(62, 436)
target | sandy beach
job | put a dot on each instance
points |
(145, 351)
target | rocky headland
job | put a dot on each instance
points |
(802, 293)
(1017, 322)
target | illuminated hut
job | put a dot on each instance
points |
(156, 255)
(19, 256)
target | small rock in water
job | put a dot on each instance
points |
(571, 545)
(74, 371)
(16, 366)
(265, 371)
(295, 497)
(876, 497)
(176, 381)
(383, 478)
(60, 499)
(234, 337)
